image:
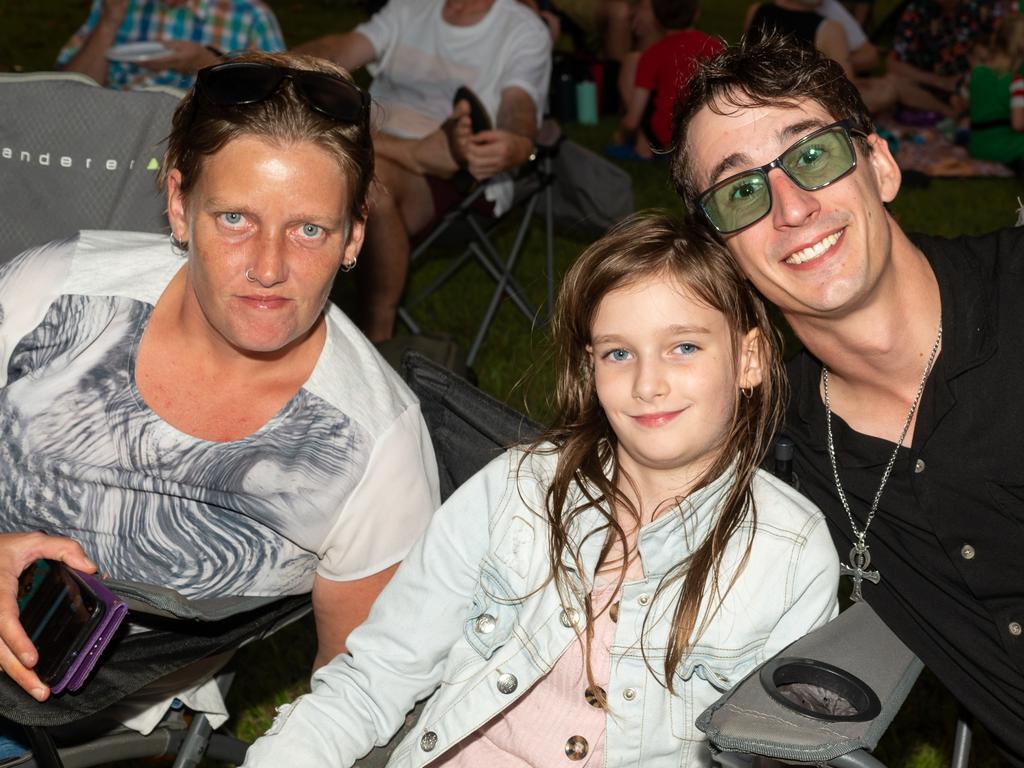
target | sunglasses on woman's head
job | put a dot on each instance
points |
(239, 83)
(813, 162)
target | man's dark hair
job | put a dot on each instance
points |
(774, 71)
(675, 14)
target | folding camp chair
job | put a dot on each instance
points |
(180, 632)
(76, 156)
(533, 182)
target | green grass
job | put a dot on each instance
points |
(277, 669)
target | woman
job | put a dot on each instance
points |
(193, 413)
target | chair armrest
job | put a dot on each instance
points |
(749, 719)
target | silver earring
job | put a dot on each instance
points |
(349, 267)
(747, 392)
(180, 246)
(250, 276)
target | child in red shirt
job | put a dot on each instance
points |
(663, 71)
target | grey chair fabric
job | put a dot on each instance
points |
(749, 719)
(77, 156)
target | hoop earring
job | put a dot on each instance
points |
(747, 392)
(250, 276)
(350, 266)
(179, 246)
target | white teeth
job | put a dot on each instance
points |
(814, 251)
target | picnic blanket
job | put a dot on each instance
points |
(931, 151)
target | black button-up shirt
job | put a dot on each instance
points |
(948, 538)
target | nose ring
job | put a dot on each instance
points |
(250, 276)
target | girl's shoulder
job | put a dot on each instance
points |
(781, 505)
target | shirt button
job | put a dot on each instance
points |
(613, 612)
(569, 617)
(591, 696)
(919, 466)
(629, 694)
(967, 552)
(428, 741)
(507, 682)
(485, 624)
(644, 599)
(1015, 629)
(576, 748)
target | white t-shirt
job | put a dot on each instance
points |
(340, 482)
(422, 60)
(835, 10)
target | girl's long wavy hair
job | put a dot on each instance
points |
(587, 474)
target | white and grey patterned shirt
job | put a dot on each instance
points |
(340, 482)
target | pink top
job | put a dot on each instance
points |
(553, 723)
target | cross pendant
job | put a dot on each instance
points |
(860, 561)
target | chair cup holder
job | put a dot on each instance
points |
(819, 690)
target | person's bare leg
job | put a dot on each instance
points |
(615, 17)
(627, 77)
(400, 204)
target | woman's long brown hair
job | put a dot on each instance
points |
(587, 475)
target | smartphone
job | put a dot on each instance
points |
(69, 616)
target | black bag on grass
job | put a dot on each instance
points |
(590, 192)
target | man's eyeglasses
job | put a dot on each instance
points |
(814, 162)
(242, 82)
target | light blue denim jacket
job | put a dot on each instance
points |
(454, 618)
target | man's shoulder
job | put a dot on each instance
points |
(525, 21)
(998, 250)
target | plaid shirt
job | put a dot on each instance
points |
(227, 25)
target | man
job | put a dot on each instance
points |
(421, 52)
(912, 341)
(194, 34)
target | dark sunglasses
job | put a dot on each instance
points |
(813, 162)
(242, 82)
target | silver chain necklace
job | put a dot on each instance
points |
(860, 557)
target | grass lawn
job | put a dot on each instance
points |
(278, 669)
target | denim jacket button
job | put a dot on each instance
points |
(576, 748)
(428, 741)
(507, 682)
(629, 694)
(643, 599)
(485, 624)
(569, 617)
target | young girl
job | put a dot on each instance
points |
(586, 597)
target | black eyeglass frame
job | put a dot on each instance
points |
(304, 80)
(848, 132)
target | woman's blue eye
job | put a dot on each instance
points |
(232, 218)
(311, 230)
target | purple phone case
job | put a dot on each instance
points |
(114, 612)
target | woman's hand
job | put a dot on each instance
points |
(17, 550)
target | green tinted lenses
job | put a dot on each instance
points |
(814, 162)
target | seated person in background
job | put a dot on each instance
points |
(661, 74)
(863, 54)
(197, 33)
(803, 20)
(590, 593)
(421, 52)
(997, 96)
(934, 40)
(192, 412)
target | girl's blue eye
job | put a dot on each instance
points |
(687, 348)
(618, 355)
